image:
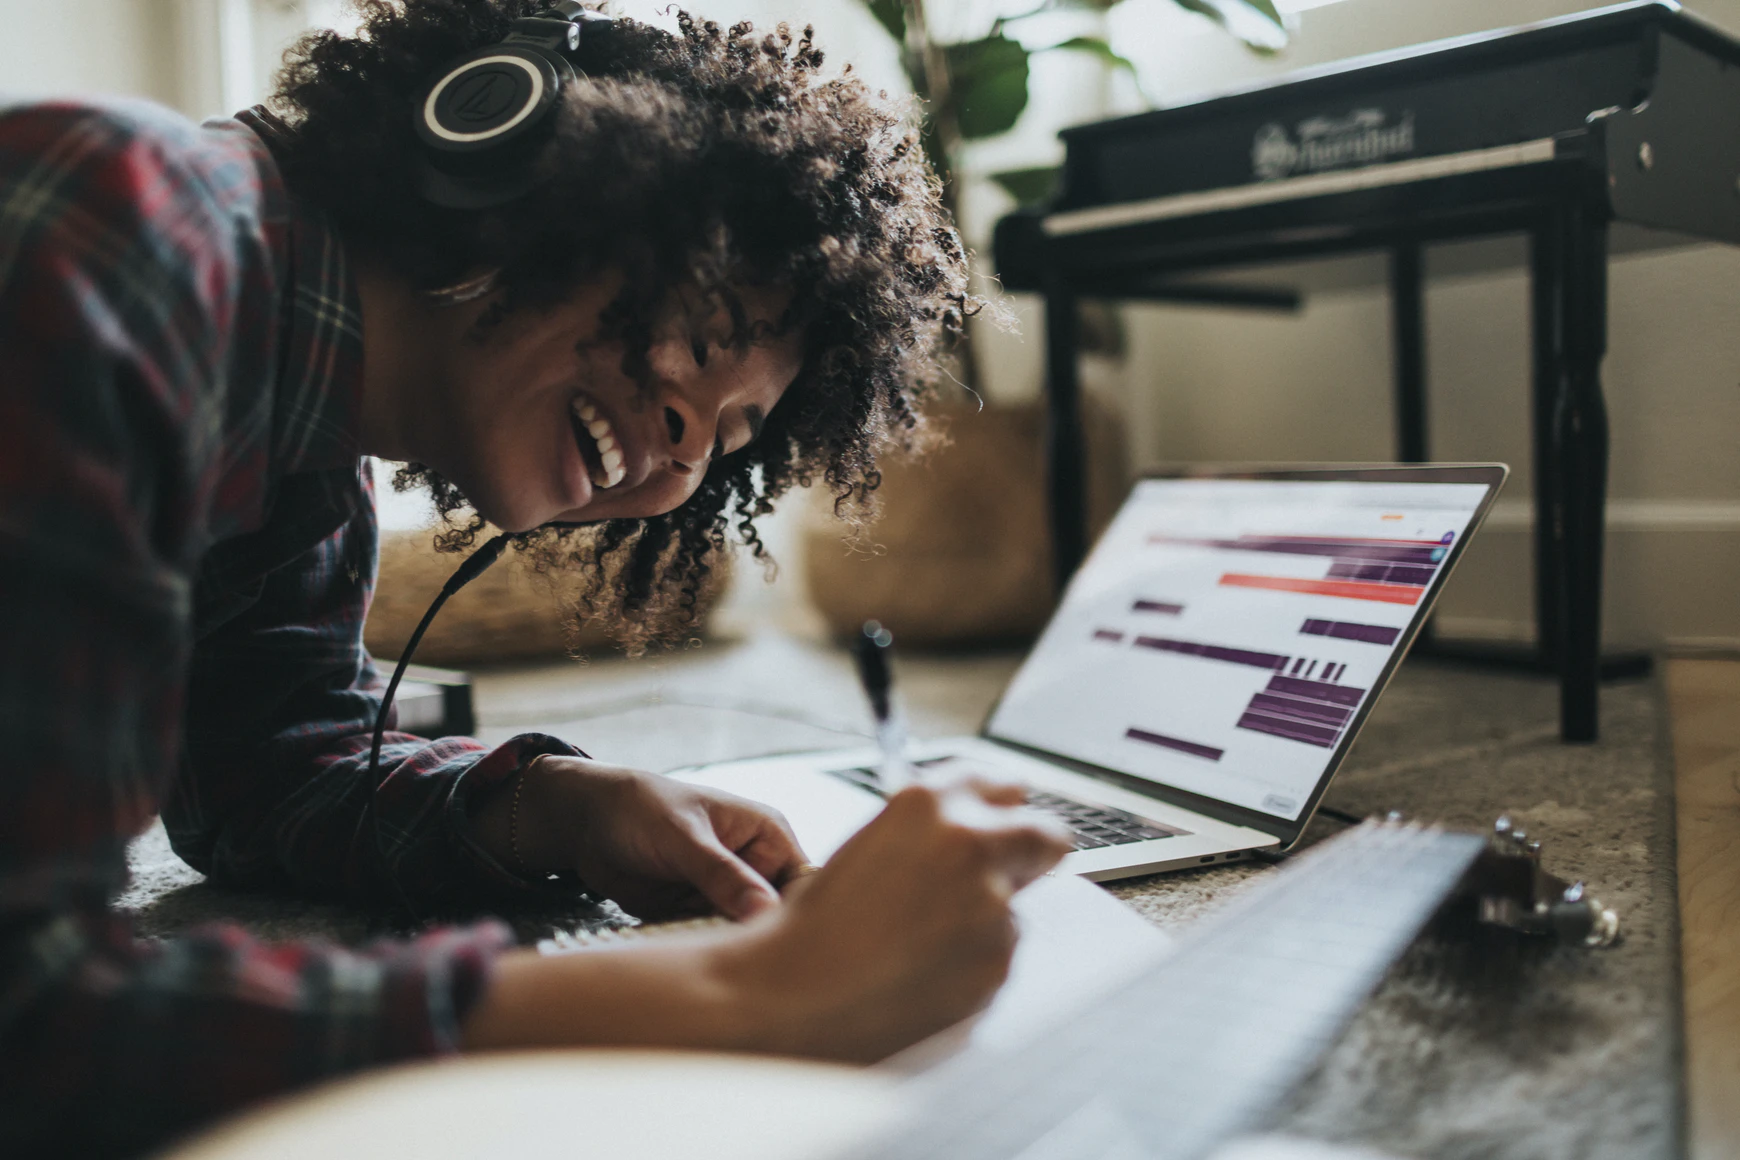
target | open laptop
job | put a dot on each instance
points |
(1206, 672)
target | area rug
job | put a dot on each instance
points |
(1505, 1051)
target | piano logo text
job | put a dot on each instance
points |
(1363, 137)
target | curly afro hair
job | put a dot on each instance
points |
(694, 162)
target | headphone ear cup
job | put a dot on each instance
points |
(490, 98)
(481, 123)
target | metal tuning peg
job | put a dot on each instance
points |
(1526, 898)
(1508, 839)
(1578, 917)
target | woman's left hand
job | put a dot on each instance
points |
(657, 847)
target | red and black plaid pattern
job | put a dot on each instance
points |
(187, 552)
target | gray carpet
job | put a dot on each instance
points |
(1530, 1052)
(1549, 1054)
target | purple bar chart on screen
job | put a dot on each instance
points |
(1360, 568)
(1194, 748)
(1215, 652)
(1314, 712)
(1165, 607)
(1348, 551)
(1342, 630)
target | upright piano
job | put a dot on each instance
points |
(1553, 130)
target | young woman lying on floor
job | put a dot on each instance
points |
(610, 277)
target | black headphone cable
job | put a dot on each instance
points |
(474, 566)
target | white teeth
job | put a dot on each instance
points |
(609, 452)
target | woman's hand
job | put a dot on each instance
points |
(658, 847)
(906, 931)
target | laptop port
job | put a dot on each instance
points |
(1210, 858)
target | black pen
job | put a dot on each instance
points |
(871, 651)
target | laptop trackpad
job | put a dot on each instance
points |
(823, 811)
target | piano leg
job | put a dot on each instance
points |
(1574, 246)
(1544, 266)
(1065, 442)
(1408, 322)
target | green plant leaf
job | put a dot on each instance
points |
(989, 81)
(1256, 22)
(1096, 46)
(890, 14)
(1029, 186)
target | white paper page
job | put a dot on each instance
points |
(1077, 944)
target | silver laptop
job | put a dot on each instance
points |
(1204, 675)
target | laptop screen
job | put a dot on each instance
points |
(1224, 634)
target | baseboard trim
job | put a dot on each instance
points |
(1522, 632)
(1484, 628)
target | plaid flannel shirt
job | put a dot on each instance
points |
(187, 551)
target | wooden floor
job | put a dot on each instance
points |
(1704, 696)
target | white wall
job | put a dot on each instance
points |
(112, 47)
(203, 57)
(1182, 56)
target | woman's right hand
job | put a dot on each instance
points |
(906, 931)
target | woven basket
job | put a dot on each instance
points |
(961, 554)
(510, 613)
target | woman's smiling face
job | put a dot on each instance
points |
(541, 423)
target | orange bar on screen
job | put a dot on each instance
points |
(1349, 589)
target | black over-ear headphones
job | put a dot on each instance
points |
(483, 119)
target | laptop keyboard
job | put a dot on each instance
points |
(1097, 826)
(1094, 827)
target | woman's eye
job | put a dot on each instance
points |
(698, 348)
